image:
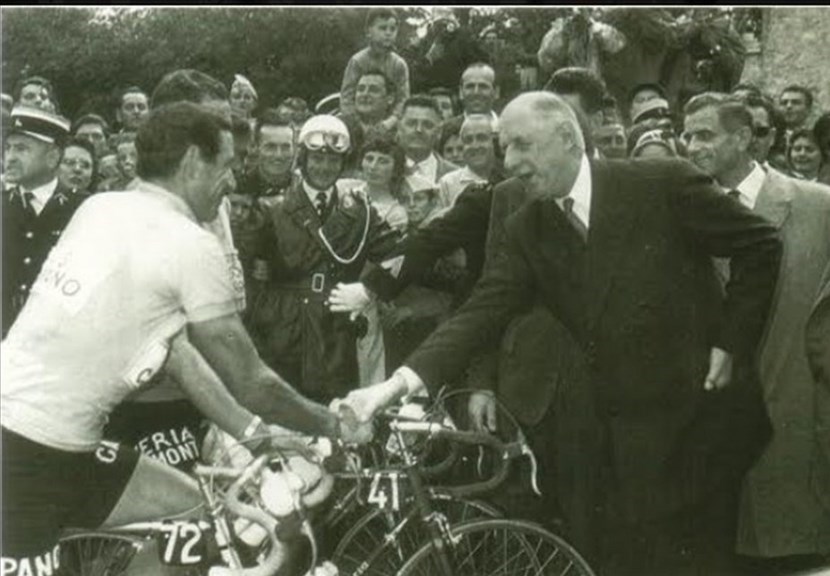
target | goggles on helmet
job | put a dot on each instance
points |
(334, 141)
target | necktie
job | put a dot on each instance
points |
(579, 225)
(28, 206)
(320, 202)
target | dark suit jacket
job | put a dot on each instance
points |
(651, 311)
(27, 241)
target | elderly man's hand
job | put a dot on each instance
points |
(481, 408)
(352, 298)
(720, 370)
(360, 406)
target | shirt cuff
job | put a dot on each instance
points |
(414, 384)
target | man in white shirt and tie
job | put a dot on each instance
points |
(36, 208)
(784, 521)
(418, 132)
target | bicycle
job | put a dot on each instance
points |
(234, 498)
(424, 539)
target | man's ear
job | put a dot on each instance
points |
(744, 137)
(191, 164)
(53, 157)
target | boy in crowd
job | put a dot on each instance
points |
(381, 33)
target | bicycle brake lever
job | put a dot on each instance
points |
(534, 465)
(480, 461)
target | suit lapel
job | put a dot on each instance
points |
(612, 221)
(774, 200)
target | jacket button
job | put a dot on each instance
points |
(24, 287)
(29, 235)
(27, 260)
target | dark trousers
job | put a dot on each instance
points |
(697, 541)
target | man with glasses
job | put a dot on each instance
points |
(767, 138)
(316, 236)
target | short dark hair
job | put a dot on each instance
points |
(387, 82)
(170, 130)
(421, 101)
(130, 90)
(808, 96)
(732, 111)
(187, 85)
(580, 81)
(375, 14)
(38, 80)
(270, 117)
(91, 119)
(379, 141)
(81, 143)
(646, 86)
(776, 120)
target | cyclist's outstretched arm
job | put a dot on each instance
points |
(226, 346)
(205, 390)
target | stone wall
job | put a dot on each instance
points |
(795, 49)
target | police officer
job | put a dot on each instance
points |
(319, 234)
(36, 208)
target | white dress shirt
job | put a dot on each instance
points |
(750, 186)
(312, 192)
(452, 184)
(580, 193)
(42, 194)
(426, 168)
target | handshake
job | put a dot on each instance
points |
(357, 410)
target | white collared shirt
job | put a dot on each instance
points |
(42, 194)
(581, 193)
(312, 192)
(452, 184)
(751, 186)
(426, 168)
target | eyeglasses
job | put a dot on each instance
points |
(762, 131)
(332, 140)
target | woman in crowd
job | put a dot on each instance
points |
(804, 156)
(79, 168)
(382, 164)
(821, 130)
(450, 145)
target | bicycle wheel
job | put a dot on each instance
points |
(98, 554)
(500, 548)
(370, 533)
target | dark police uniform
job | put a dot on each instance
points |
(27, 236)
(307, 255)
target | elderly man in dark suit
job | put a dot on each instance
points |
(621, 253)
(36, 207)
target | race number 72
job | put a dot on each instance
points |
(183, 544)
(378, 492)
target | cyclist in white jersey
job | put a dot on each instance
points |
(134, 282)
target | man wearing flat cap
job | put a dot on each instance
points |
(36, 208)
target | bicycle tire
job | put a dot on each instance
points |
(501, 547)
(98, 553)
(369, 533)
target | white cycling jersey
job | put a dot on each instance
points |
(130, 270)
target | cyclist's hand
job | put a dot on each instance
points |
(352, 431)
(352, 298)
(362, 404)
(481, 408)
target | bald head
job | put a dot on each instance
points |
(549, 109)
(542, 143)
(478, 90)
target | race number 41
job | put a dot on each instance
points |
(384, 492)
(181, 544)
